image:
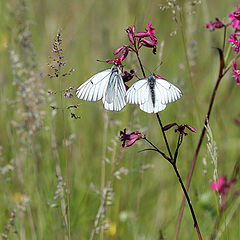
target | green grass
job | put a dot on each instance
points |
(144, 202)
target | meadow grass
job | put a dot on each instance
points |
(38, 143)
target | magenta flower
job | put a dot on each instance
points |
(235, 16)
(180, 128)
(115, 60)
(131, 35)
(149, 33)
(212, 25)
(222, 187)
(235, 42)
(129, 139)
(236, 73)
(150, 44)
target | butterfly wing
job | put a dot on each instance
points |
(94, 88)
(138, 92)
(166, 92)
(114, 98)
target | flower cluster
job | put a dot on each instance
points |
(137, 41)
(234, 38)
(236, 72)
(235, 16)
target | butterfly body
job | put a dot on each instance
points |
(152, 94)
(107, 85)
(152, 83)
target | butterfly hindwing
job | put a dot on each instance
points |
(114, 98)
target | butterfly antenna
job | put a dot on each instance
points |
(158, 66)
(147, 69)
(102, 61)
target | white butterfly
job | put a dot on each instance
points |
(107, 85)
(152, 94)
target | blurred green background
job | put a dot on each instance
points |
(37, 142)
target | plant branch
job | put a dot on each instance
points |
(156, 149)
(164, 135)
(177, 148)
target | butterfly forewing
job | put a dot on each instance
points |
(93, 89)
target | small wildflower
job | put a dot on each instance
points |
(236, 73)
(129, 139)
(217, 24)
(235, 16)
(180, 128)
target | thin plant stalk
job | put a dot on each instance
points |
(174, 165)
(221, 74)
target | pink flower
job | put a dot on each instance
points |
(149, 33)
(236, 72)
(131, 35)
(150, 44)
(180, 128)
(235, 16)
(235, 41)
(115, 60)
(218, 185)
(129, 139)
(124, 52)
(212, 25)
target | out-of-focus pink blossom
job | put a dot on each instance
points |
(235, 16)
(236, 73)
(217, 24)
(129, 139)
(222, 186)
(235, 41)
(218, 185)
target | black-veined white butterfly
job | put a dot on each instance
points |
(107, 85)
(152, 94)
